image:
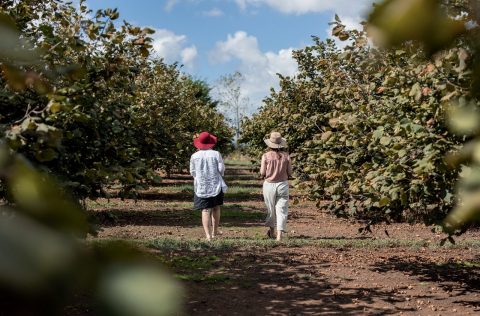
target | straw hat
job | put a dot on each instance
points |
(205, 141)
(275, 141)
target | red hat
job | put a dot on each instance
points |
(205, 141)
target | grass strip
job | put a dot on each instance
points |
(225, 244)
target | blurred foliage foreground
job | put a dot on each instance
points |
(45, 264)
(439, 26)
(46, 267)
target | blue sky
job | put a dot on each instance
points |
(211, 38)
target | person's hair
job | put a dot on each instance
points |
(278, 152)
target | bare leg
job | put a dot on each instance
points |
(279, 235)
(206, 223)
(215, 220)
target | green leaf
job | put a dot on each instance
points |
(337, 30)
(378, 133)
(46, 155)
(385, 140)
(384, 201)
(54, 107)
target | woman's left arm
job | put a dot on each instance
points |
(221, 165)
(289, 167)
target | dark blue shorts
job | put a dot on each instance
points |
(210, 202)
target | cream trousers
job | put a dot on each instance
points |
(276, 199)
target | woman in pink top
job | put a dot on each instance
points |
(276, 168)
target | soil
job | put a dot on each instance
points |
(336, 277)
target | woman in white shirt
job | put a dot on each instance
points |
(207, 169)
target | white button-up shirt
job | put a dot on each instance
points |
(207, 169)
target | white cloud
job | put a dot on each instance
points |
(172, 47)
(351, 12)
(213, 12)
(240, 46)
(342, 7)
(189, 54)
(170, 4)
(282, 62)
(258, 68)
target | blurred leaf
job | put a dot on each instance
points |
(462, 214)
(31, 255)
(463, 120)
(12, 49)
(39, 196)
(140, 290)
(393, 22)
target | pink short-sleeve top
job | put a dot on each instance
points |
(276, 166)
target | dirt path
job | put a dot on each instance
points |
(324, 267)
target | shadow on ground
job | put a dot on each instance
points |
(232, 216)
(459, 278)
(262, 283)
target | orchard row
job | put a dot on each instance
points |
(376, 130)
(83, 99)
